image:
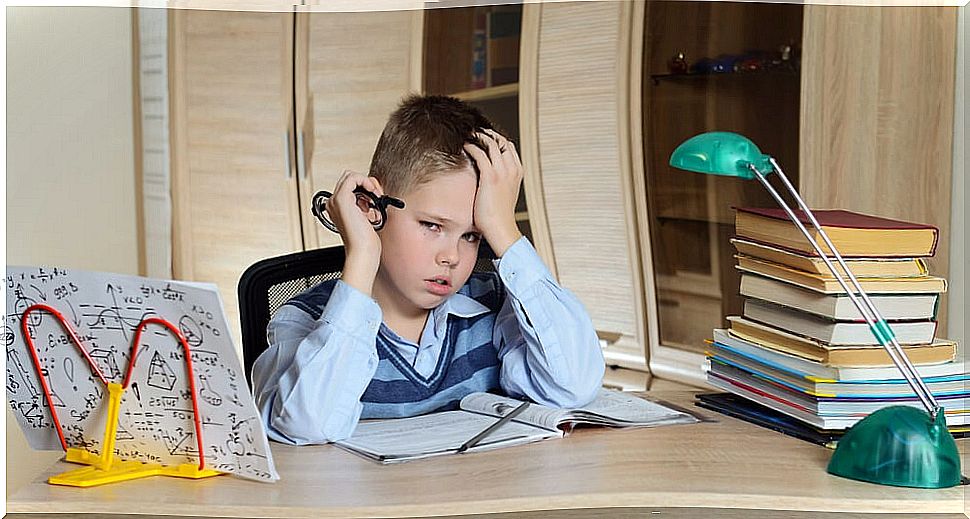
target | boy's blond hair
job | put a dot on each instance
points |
(422, 139)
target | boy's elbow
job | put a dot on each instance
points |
(581, 389)
(295, 429)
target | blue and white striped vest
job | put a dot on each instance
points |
(468, 361)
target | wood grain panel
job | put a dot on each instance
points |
(582, 86)
(877, 114)
(358, 67)
(722, 464)
(231, 95)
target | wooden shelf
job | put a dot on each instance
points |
(779, 72)
(489, 93)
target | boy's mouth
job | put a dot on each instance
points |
(438, 285)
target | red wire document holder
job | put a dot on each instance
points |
(105, 467)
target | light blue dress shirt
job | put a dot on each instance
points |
(308, 383)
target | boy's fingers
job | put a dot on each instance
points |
(493, 147)
(515, 155)
(371, 184)
(478, 155)
(378, 189)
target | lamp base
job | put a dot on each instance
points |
(899, 446)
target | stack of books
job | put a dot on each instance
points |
(802, 348)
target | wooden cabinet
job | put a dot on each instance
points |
(753, 89)
(575, 85)
(864, 122)
(268, 108)
(352, 69)
(234, 193)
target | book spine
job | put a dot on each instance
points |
(479, 49)
(504, 27)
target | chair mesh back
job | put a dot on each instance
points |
(283, 292)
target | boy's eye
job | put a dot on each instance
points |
(431, 226)
(472, 237)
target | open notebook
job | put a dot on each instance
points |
(436, 434)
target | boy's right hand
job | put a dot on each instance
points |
(361, 242)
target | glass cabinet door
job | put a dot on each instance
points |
(710, 66)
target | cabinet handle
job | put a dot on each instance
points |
(300, 159)
(286, 154)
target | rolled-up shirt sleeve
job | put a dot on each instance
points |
(309, 382)
(545, 338)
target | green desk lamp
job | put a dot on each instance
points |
(896, 445)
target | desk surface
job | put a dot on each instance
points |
(724, 465)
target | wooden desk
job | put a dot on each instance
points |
(720, 467)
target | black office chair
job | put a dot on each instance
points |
(269, 283)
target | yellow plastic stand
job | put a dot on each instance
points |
(108, 469)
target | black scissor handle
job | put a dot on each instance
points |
(318, 206)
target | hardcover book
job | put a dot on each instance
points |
(860, 267)
(854, 234)
(831, 332)
(829, 285)
(837, 306)
(938, 351)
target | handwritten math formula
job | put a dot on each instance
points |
(156, 420)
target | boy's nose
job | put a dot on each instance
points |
(448, 256)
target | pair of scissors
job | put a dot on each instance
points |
(375, 207)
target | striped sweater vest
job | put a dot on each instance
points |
(468, 361)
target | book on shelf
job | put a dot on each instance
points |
(831, 332)
(939, 351)
(837, 306)
(436, 434)
(502, 55)
(843, 412)
(860, 267)
(829, 285)
(853, 234)
(729, 345)
(479, 47)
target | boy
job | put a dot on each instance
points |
(402, 333)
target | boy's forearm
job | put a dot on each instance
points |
(502, 238)
(359, 272)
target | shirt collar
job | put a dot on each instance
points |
(461, 306)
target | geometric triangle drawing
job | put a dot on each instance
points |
(123, 434)
(182, 444)
(159, 374)
(105, 360)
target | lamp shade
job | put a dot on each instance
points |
(720, 153)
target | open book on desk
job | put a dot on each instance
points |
(436, 434)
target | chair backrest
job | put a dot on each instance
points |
(269, 283)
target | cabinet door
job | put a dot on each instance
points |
(574, 85)
(234, 190)
(352, 71)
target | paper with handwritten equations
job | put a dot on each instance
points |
(156, 417)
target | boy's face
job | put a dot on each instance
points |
(429, 248)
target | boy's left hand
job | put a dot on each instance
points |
(500, 177)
